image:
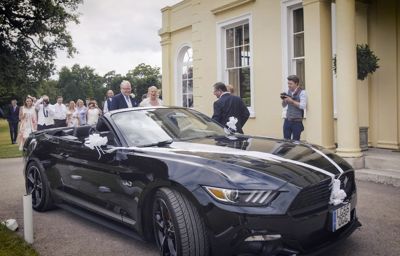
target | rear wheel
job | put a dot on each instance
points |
(178, 228)
(37, 185)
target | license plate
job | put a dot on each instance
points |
(341, 217)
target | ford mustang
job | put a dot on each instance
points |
(176, 177)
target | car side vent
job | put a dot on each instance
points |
(311, 198)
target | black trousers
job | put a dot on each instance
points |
(43, 127)
(60, 123)
(13, 131)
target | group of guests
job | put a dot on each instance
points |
(39, 114)
(125, 98)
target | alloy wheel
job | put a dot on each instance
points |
(164, 228)
(34, 185)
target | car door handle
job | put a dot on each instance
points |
(76, 177)
(104, 189)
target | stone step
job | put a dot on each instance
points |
(382, 162)
(391, 177)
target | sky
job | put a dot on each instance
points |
(116, 35)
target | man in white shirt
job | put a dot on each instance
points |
(60, 113)
(107, 103)
(45, 113)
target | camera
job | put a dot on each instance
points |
(46, 102)
(284, 95)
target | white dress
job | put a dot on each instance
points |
(27, 125)
(72, 118)
(92, 116)
(147, 103)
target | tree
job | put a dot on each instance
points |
(50, 88)
(142, 77)
(112, 81)
(81, 83)
(31, 31)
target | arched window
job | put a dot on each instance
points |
(185, 77)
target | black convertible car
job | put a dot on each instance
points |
(175, 176)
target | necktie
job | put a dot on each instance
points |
(128, 101)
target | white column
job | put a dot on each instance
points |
(346, 71)
(318, 53)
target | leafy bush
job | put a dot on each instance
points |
(367, 61)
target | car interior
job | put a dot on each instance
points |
(80, 133)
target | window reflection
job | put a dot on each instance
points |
(238, 60)
(298, 58)
(144, 127)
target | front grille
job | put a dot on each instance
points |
(317, 196)
(311, 198)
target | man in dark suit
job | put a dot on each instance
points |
(228, 106)
(123, 99)
(13, 119)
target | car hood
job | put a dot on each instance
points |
(298, 163)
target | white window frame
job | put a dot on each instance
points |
(333, 22)
(222, 73)
(287, 7)
(178, 73)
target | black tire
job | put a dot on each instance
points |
(178, 228)
(37, 184)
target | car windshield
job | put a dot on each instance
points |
(148, 127)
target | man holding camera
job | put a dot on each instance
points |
(45, 113)
(296, 101)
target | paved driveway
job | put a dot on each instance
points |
(61, 233)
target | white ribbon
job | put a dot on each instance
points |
(337, 194)
(232, 123)
(95, 141)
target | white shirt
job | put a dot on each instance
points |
(45, 114)
(128, 100)
(105, 109)
(92, 116)
(60, 111)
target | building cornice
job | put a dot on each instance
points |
(231, 5)
(307, 2)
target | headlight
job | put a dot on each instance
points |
(242, 197)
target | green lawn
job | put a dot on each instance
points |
(12, 244)
(7, 150)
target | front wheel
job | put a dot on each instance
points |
(178, 228)
(38, 186)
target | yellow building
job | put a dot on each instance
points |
(255, 44)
